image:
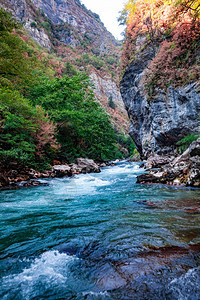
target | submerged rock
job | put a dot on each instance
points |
(32, 183)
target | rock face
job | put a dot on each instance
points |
(106, 86)
(23, 11)
(72, 21)
(183, 170)
(78, 17)
(158, 122)
(156, 161)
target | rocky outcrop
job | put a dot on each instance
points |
(87, 165)
(84, 165)
(21, 178)
(71, 20)
(85, 23)
(106, 87)
(156, 161)
(28, 177)
(23, 11)
(158, 122)
(183, 170)
(61, 170)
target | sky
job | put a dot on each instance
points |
(108, 10)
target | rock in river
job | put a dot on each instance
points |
(183, 170)
(88, 165)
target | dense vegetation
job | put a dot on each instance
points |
(172, 30)
(45, 117)
(83, 129)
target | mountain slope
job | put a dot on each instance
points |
(77, 36)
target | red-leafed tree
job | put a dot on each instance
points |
(171, 29)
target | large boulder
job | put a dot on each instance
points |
(194, 148)
(84, 165)
(75, 169)
(156, 161)
(61, 170)
(88, 165)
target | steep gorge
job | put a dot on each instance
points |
(160, 85)
(160, 121)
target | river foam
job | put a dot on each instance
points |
(96, 295)
(78, 185)
(186, 286)
(123, 169)
(51, 269)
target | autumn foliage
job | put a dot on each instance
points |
(172, 30)
(46, 115)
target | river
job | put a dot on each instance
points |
(100, 236)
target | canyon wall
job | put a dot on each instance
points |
(158, 122)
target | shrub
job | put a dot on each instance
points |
(111, 102)
(173, 27)
(184, 143)
(33, 25)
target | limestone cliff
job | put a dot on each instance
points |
(158, 121)
(24, 11)
(72, 22)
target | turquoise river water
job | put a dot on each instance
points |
(100, 236)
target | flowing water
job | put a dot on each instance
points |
(100, 236)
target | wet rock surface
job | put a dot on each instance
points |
(156, 161)
(28, 177)
(87, 165)
(145, 275)
(188, 206)
(61, 170)
(183, 170)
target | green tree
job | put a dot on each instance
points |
(185, 142)
(111, 102)
(14, 64)
(69, 70)
(26, 133)
(84, 129)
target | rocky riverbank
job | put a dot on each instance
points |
(29, 177)
(183, 170)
